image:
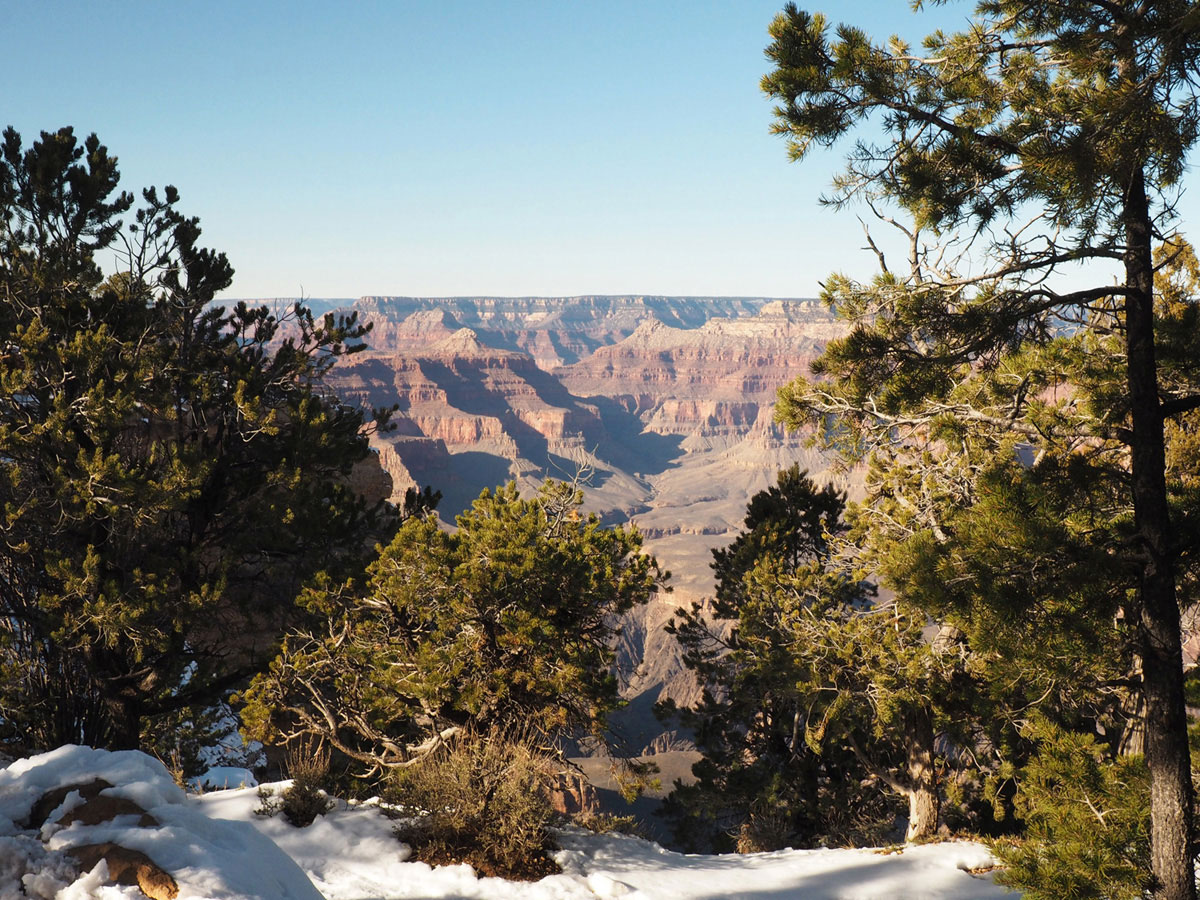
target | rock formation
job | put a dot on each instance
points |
(128, 867)
(86, 804)
(553, 330)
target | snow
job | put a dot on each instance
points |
(220, 778)
(217, 847)
(348, 853)
(638, 869)
(210, 858)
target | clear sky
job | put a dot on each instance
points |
(442, 147)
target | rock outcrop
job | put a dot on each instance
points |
(87, 804)
(571, 794)
(53, 799)
(129, 867)
(104, 809)
(76, 820)
(718, 377)
(469, 416)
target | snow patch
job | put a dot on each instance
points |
(218, 860)
(217, 847)
(220, 778)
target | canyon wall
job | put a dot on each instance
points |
(662, 405)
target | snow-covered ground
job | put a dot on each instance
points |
(216, 847)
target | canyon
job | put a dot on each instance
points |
(661, 407)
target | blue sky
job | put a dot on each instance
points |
(442, 147)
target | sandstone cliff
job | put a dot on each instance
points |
(553, 330)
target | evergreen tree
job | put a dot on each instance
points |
(511, 620)
(1088, 822)
(816, 699)
(760, 781)
(170, 472)
(1047, 135)
(791, 522)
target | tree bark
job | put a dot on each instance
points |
(1162, 655)
(126, 728)
(923, 802)
(1133, 707)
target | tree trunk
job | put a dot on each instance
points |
(1162, 656)
(1133, 706)
(923, 802)
(126, 730)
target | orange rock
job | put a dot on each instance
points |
(130, 867)
(570, 793)
(52, 800)
(104, 809)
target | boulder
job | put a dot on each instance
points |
(104, 809)
(52, 800)
(570, 794)
(130, 867)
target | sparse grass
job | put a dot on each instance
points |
(174, 764)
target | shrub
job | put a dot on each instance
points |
(480, 799)
(514, 617)
(269, 803)
(609, 823)
(765, 830)
(307, 764)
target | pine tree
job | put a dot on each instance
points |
(1088, 822)
(1045, 136)
(509, 621)
(170, 472)
(760, 780)
(811, 689)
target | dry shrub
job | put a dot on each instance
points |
(307, 764)
(764, 831)
(609, 823)
(866, 820)
(174, 764)
(480, 799)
